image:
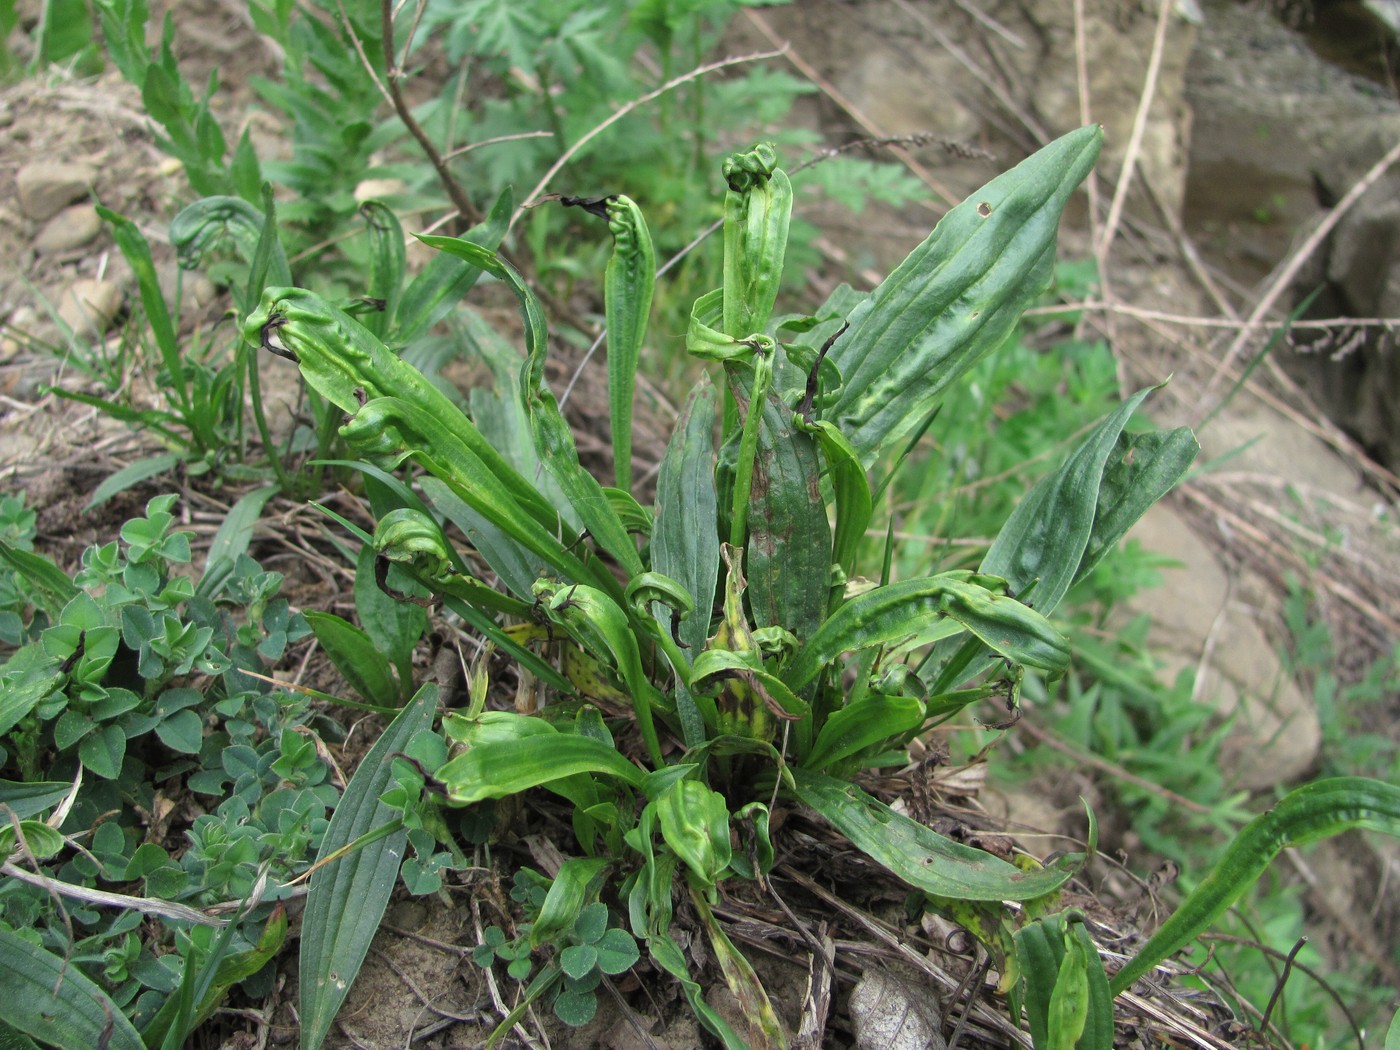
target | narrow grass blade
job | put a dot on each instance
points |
(921, 857)
(232, 539)
(347, 900)
(354, 654)
(48, 998)
(132, 243)
(1307, 814)
(447, 278)
(130, 475)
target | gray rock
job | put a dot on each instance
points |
(45, 187)
(89, 306)
(70, 229)
(890, 1014)
(1275, 733)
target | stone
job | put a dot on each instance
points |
(378, 189)
(890, 1014)
(89, 306)
(47, 187)
(70, 229)
(1275, 733)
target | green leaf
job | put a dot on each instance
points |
(137, 251)
(13, 1038)
(956, 297)
(1306, 814)
(228, 971)
(28, 800)
(386, 263)
(131, 475)
(788, 557)
(447, 278)
(922, 858)
(617, 952)
(685, 535)
(42, 841)
(1066, 998)
(577, 960)
(497, 768)
(602, 627)
(42, 574)
(234, 535)
(202, 225)
(183, 731)
(577, 882)
(103, 751)
(627, 293)
(906, 609)
(354, 654)
(694, 821)
(1047, 536)
(348, 898)
(865, 722)
(48, 998)
(394, 626)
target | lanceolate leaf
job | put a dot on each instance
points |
(448, 277)
(1307, 814)
(957, 296)
(1141, 470)
(386, 263)
(685, 541)
(905, 609)
(49, 998)
(1045, 539)
(922, 858)
(355, 657)
(348, 898)
(1066, 994)
(631, 278)
(788, 560)
(554, 442)
(497, 768)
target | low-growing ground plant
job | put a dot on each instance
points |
(736, 645)
(129, 690)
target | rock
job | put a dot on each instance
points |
(1356, 378)
(1275, 734)
(71, 228)
(890, 1014)
(46, 187)
(89, 306)
(378, 189)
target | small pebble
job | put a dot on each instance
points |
(46, 188)
(71, 228)
(378, 189)
(89, 306)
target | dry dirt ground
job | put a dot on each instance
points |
(418, 986)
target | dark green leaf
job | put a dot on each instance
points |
(957, 296)
(347, 899)
(353, 652)
(921, 857)
(130, 475)
(50, 999)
